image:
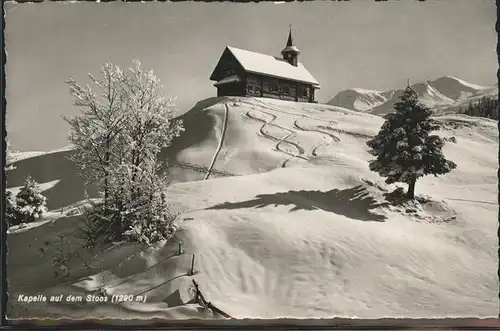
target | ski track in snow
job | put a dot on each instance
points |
(221, 140)
(354, 134)
(300, 151)
(279, 141)
(473, 201)
(331, 138)
(201, 169)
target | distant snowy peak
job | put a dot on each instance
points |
(455, 88)
(430, 95)
(358, 99)
(443, 91)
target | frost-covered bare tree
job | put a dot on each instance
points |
(94, 133)
(117, 139)
(149, 127)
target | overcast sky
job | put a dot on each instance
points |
(345, 44)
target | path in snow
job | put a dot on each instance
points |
(221, 141)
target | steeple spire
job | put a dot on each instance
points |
(290, 38)
(291, 52)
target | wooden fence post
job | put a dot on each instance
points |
(192, 266)
(203, 302)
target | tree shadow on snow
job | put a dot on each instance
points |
(198, 125)
(353, 203)
(398, 197)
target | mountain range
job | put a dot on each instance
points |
(441, 94)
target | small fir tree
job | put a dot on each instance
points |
(30, 203)
(10, 209)
(404, 148)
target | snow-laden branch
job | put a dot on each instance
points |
(117, 138)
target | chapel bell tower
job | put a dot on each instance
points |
(290, 52)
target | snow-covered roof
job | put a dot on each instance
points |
(230, 79)
(269, 65)
(290, 49)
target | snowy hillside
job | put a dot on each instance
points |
(440, 93)
(289, 223)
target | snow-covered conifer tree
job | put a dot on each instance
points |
(404, 148)
(30, 203)
(10, 209)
